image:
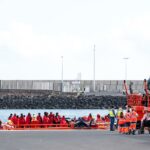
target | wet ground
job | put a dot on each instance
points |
(72, 140)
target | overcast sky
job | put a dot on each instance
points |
(34, 34)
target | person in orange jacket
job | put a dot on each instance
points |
(121, 123)
(127, 121)
(134, 116)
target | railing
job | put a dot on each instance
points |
(103, 125)
(100, 125)
(42, 126)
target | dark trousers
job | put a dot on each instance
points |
(112, 121)
(82, 123)
(145, 123)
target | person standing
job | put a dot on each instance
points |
(121, 123)
(118, 114)
(112, 118)
(127, 127)
(145, 122)
(134, 116)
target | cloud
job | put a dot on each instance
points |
(29, 44)
(4, 37)
(131, 36)
(126, 39)
(121, 39)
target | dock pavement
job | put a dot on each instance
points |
(72, 140)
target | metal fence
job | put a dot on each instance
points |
(69, 85)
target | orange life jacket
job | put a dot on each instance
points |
(128, 117)
(121, 121)
(134, 116)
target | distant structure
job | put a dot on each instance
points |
(86, 86)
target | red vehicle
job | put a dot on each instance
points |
(138, 101)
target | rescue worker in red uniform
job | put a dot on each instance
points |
(28, 118)
(107, 118)
(63, 121)
(14, 119)
(51, 118)
(10, 117)
(134, 117)
(89, 117)
(39, 118)
(21, 121)
(34, 119)
(98, 119)
(45, 118)
(121, 123)
(57, 118)
(127, 122)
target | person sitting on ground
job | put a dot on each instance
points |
(17, 120)
(63, 121)
(10, 117)
(34, 119)
(57, 118)
(28, 119)
(39, 118)
(98, 119)
(45, 118)
(9, 125)
(107, 118)
(90, 117)
(14, 119)
(51, 118)
(83, 122)
(21, 120)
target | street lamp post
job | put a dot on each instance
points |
(94, 69)
(62, 80)
(126, 59)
